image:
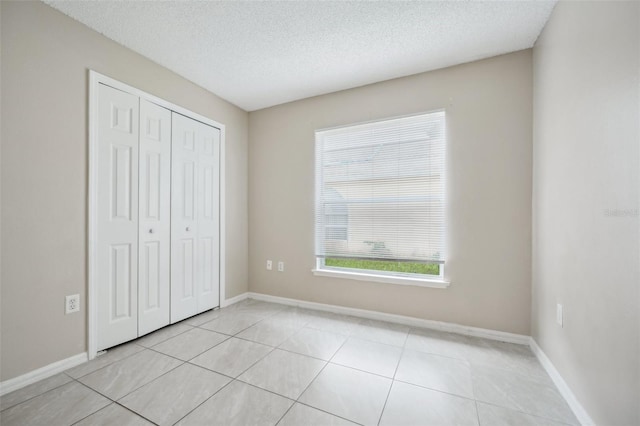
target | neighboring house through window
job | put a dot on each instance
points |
(380, 198)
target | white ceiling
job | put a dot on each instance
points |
(256, 54)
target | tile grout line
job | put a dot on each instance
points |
(192, 358)
(203, 402)
(111, 401)
(67, 383)
(475, 365)
(35, 396)
(560, 422)
(326, 362)
(437, 390)
(393, 379)
(110, 363)
(303, 391)
(475, 404)
(166, 327)
(143, 385)
(327, 412)
(347, 338)
(314, 379)
(271, 315)
(471, 364)
(135, 412)
(409, 332)
(233, 379)
(285, 413)
(238, 332)
(120, 405)
(133, 342)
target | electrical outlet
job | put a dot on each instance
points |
(269, 265)
(559, 315)
(281, 266)
(72, 304)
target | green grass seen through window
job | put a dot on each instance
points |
(385, 265)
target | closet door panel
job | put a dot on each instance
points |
(209, 218)
(117, 217)
(184, 226)
(154, 217)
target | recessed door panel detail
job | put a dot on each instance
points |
(152, 187)
(115, 216)
(206, 259)
(150, 265)
(121, 118)
(194, 213)
(121, 182)
(154, 232)
(189, 140)
(156, 254)
(120, 282)
(208, 190)
(208, 146)
(188, 191)
(188, 266)
(154, 129)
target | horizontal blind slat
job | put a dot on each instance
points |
(380, 190)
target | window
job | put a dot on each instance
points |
(380, 199)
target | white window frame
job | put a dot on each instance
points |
(418, 280)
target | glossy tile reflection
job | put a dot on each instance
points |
(114, 414)
(232, 356)
(348, 393)
(414, 405)
(239, 404)
(284, 373)
(124, 376)
(260, 363)
(33, 390)
(61, 406)
(172, 396)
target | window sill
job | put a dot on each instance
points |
(417, 282)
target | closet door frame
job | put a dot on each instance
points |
(95, 79)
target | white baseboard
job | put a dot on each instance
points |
(42, 373)
(235, 299)
(62, 365)
(398, 319)
(565, 391)
(579, 411)
(502, 336)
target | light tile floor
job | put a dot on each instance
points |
(258, 363)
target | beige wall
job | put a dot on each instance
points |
(586, 166)
(45, 58)
(489, 109)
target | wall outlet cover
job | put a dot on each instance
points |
(72, 304)
(559, 315)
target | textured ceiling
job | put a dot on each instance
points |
(256, 54)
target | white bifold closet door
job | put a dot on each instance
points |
(132, 218)
(195, 219)
(154, 217)
(117, 217)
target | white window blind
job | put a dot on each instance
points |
(380, 190)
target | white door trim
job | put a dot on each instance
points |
(95, 79)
